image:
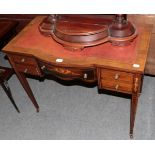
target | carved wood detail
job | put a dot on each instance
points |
(136, 84)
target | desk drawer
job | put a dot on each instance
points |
(25, 64)
(116, 75)
(116, 86)
(70, 73)
(23, 59)
(116, 80)
(32, 70)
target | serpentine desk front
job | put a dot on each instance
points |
(119, 69)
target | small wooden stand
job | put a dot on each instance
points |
(76, 32)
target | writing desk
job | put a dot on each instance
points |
(119, 69)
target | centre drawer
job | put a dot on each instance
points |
(69, 73)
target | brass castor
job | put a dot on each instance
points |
(131, 136)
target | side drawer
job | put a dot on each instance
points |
(25, 64)
(23, 59)
(28, 69)
(116, 86)
(115, 80)
(115, 75)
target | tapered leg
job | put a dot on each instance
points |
(137, 82)
(6, 88)
(27, 88)
(133, 109)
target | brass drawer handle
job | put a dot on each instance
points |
(22, 60)
(116, 76)
(85, 76)
(43, 67)
(25, 71)
(116, 87)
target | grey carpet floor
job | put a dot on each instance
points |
(74, 112)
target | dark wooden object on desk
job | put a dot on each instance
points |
(21, 19)
(119, 69)
(7, 30)
(76, 32)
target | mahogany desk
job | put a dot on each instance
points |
(119, 69)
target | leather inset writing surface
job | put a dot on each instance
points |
(32, 39)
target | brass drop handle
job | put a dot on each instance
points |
(116, 76)
(25, 71)
(116, 87)
(22, 60)
(85, 76)
(43, 67)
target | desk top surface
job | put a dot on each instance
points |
(130, 58)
